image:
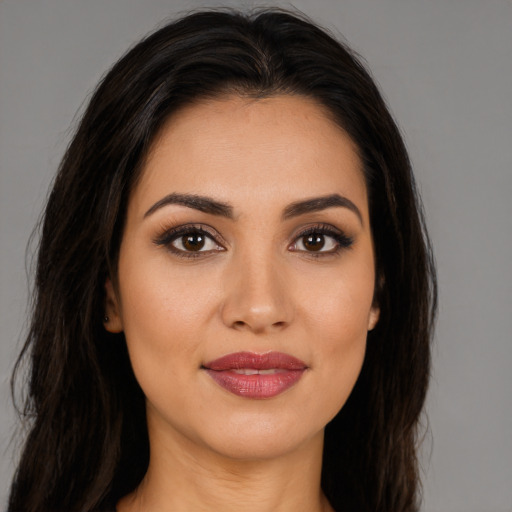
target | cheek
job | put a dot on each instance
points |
(338, 323)
(160, 296)
(338, 305)
(342, 346)
(343, 322)
(163, 316)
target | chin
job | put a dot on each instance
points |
(261, 437)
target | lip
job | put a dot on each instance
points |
(280, 372)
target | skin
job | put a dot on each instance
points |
(256, 288)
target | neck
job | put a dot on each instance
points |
(185, 476)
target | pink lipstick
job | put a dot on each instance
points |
(256, 375)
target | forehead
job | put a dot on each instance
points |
(237, 148)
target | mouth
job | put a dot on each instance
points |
(256, 376)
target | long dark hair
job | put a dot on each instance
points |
(87, 444)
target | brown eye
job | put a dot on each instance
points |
(190, 241)
(322, 240)
(193, 241)
(313, 241)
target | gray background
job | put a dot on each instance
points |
(445, 67)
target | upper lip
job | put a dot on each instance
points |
(266, 361)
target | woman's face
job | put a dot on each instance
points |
(248, 236)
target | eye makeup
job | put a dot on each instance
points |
(321, 240)
(200, 240)
(190, 240)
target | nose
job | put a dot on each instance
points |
(257, 297)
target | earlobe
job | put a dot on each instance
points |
(112, 319)
(373, 317)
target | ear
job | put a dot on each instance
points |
(112, 321)
(374, 315)
(373, 318)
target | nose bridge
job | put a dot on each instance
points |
(256, 297)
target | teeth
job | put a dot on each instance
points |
(246, 371)
(252, 371)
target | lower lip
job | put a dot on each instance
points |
(256, 386)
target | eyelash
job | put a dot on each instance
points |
(170, 235)
(342, 240)
(173, 234)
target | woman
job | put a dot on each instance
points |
(235, 293)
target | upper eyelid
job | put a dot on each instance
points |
(176, 231)
(320, 227)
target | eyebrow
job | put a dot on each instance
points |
(316, 204)
(214, 207)
(201, 203)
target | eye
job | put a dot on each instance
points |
(194, 242)
(321, 240)
(315, 242)
(189, 241)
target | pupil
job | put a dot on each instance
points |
(193, 242)
(314, 242)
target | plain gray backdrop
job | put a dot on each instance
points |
(445, 67)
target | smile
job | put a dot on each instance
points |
(256, 376)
